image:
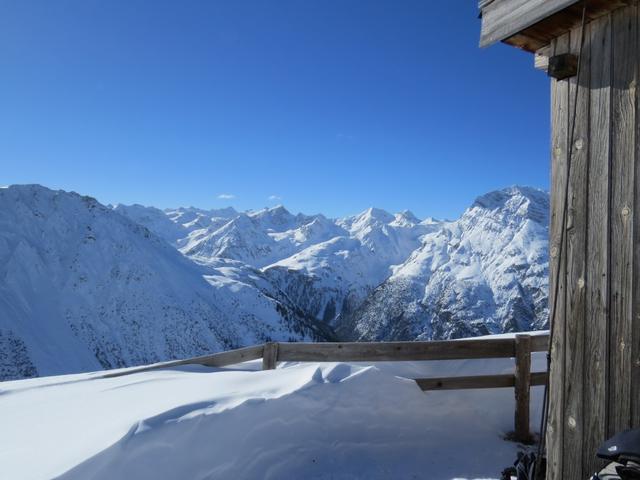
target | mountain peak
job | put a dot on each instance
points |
(373, 214)
(499, 198)
(523, 202)
(407, 216)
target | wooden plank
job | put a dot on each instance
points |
(539, 343)
(563, 66)
(222, 359)
(503, 18)
(597, 287)
(559, 137)
(635, 354)
(539, 378)
(270, 356)
(543, 32)
(541, 58)
(576, 247)
(463, 383)
(522, 388)
(623, 111)
(387, 351)
(477, 382)
(396, 351)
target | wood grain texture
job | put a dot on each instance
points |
(623, 112)
(222, 359)
(396, 351)
(539, 343)
(510, 20)
(597, 287)
(635, 352)
(522, 388)
(477, 382)
(503, 18)
(576, 247)
(270, 355)
(559, 137)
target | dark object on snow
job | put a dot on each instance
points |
(623, 450)
(525, 468)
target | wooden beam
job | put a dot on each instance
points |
(396, 351)
(622, 215)
(222, 359)
(539, 343)
(543, 32)
(270, 356)
(562, 66)
(557, 266)
(502, 19)
(598, 248)
(541, 58)
(477, 382)
(522, 387)
(576, 259)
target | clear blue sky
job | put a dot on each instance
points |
(329, 105)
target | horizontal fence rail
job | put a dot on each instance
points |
(404, 351)
(519, 348)
(477, 381)
(221, 359)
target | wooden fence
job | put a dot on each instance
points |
(519, 348)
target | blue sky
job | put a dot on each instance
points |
(322, 105)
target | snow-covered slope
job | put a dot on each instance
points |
(312, 421)
(484, 273)
(131, 284)
(331, 279)
(376, 275)
(83, 287)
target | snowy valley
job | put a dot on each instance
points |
(85, 286)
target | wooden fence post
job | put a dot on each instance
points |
(270, 356)
(522, 387)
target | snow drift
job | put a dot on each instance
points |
(317, 421)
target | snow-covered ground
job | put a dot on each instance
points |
(302, 420)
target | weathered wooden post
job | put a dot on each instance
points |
(523, 387)
(594, 388)
(270, 356)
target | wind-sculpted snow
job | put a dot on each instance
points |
(83, 287)
(299, 421)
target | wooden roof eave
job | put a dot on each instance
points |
(532, 24)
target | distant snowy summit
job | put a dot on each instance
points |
(85, 286)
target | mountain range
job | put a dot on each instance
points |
(85, 286)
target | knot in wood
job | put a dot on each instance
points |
(557, 152)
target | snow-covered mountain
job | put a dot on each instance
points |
(484, 273)
(381, 276)
(83, 287)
